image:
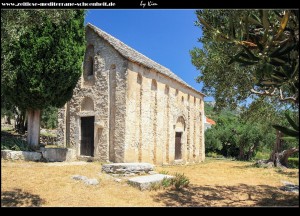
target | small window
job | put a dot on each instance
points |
(182, 99)
(167, 90)
(176, 93)
(154, 85)
(139, 79)
(90, 68)
(194, 101)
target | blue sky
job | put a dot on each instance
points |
(165, 36)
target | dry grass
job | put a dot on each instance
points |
(213, 183)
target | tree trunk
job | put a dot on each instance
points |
(33, 128)
(279, 157)
(284, 156)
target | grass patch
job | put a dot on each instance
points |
(47, 134)
(262, 155)
(214, 155)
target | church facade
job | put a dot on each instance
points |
(128, 108)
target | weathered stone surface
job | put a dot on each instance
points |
(144, 182)
(79, 177)
(118, 180)
(290, 187)
(58, 154)
(153, 172)
(138, 106)
(264, 163)
(20, 155)
(91, 181)
(122, 168)
(85, 179)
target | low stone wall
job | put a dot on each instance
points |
(20, 155)
(45, 154)
(48, 140)
(58, 154)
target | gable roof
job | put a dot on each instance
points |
(134, 56)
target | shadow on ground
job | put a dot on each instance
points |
(240, 195)
(17, 197)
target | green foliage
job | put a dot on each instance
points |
(228, 84)
(214, 155)
(166, 182)
(232, 136)
(262, 44)
(15, 144)
(43, 64)
(180, 181)
(261, 155)
(293, 162)
(49, 118)
(292, 132)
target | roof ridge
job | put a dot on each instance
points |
(135, 56)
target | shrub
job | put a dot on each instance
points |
(15, 144)
(166, 182)
(293, 162)
(180, 181)
(211, 154)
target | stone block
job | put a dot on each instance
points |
(58, 154)
(144, 182)
(20, 155)
(122, 168)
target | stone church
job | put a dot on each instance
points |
(128, 108)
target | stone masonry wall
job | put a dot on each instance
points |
(96, 88)
(153, 106)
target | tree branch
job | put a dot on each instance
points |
(265, 92)
(293, 99)
(272, 93)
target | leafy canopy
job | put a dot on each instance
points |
(41, 61)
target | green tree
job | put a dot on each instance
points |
(262, 44)
(42, 64)
(251, 53)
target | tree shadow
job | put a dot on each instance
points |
(240, 195)
(17, 197)
(288, 173)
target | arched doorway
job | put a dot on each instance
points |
(179, 129)
(87, 128)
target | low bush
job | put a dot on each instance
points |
(15, 144)
(178, 182)
(293, 162)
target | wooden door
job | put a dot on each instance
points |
(178, 145)
(87, 136)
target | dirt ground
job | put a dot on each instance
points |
(212, 183)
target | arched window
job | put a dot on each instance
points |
(90, 67)
(167, 89)
(139, 79)
(154, 85)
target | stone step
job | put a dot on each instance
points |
(144, 182)
(122, 168)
